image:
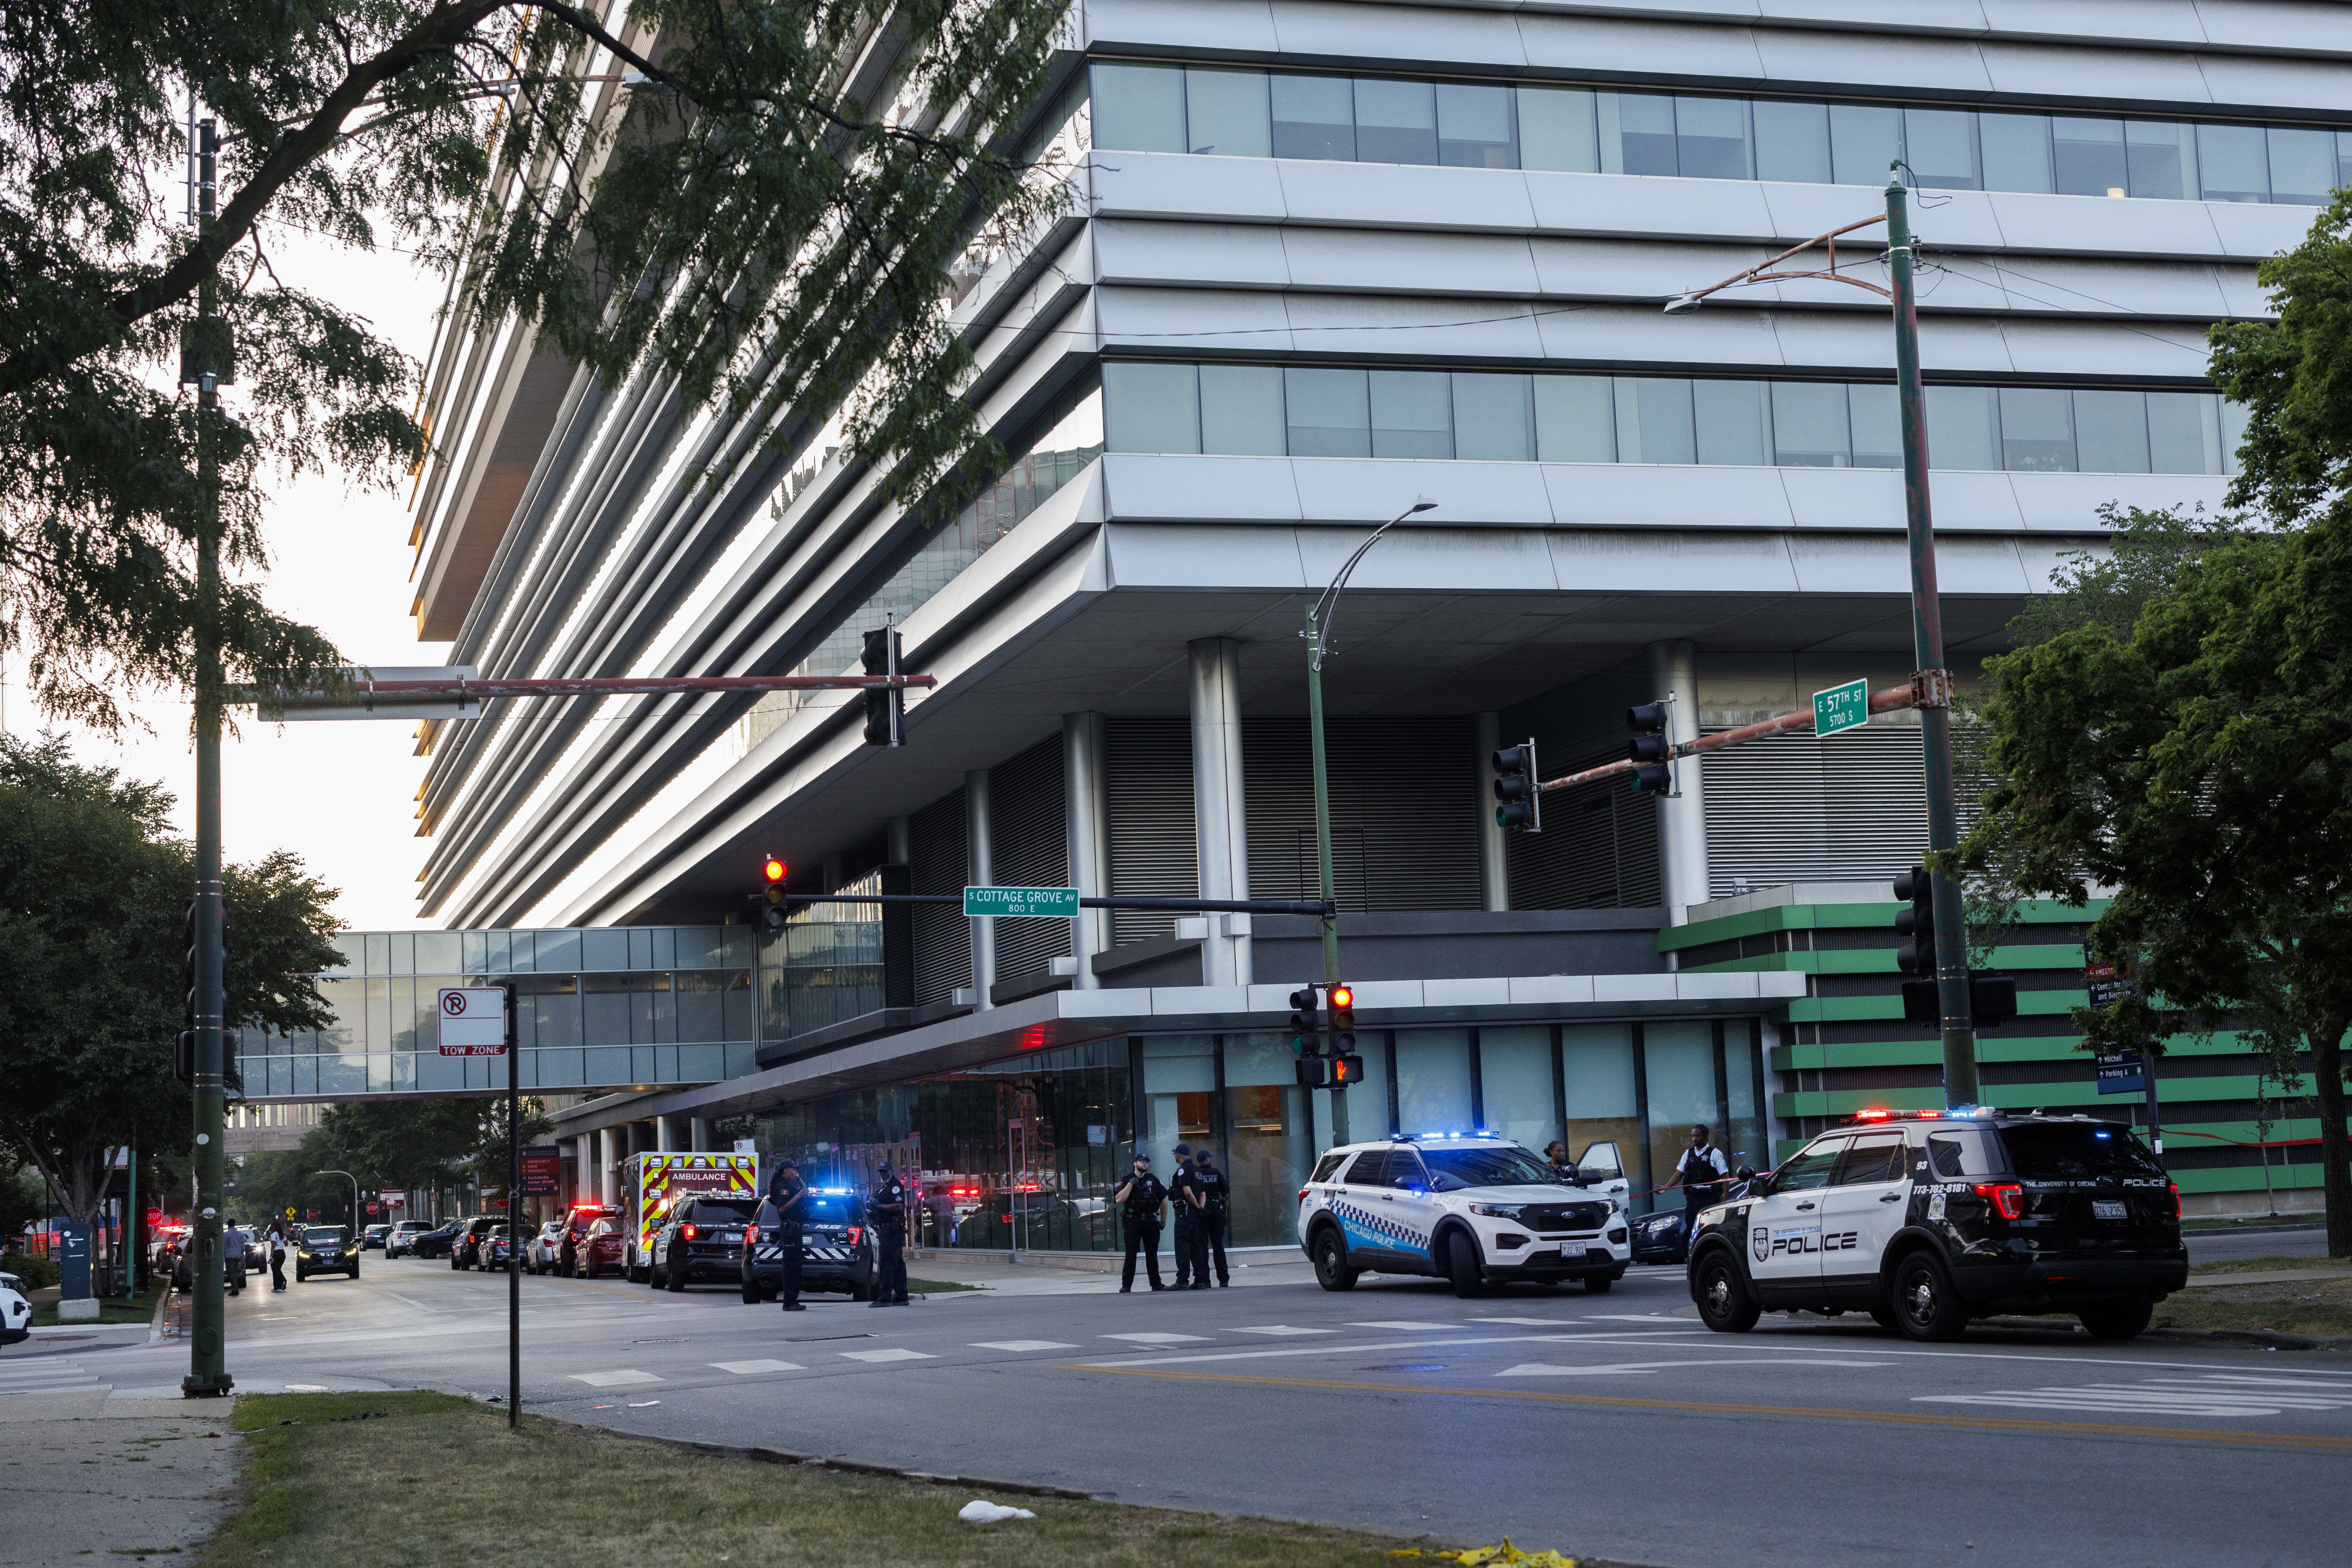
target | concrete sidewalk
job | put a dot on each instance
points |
(84, 1476)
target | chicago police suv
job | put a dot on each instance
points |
(1476, 1210)
(1928, 1220)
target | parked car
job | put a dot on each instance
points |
(576, 1226)
(373, 1237)
(493, 1246)
(256, 1248)
(439, 1242)
(465, 1247)
(836, 1249)
(543, 1251)
(603, 1245)
(403, 1236)
(16, 1311)
(326, 1250)
(702, 1240)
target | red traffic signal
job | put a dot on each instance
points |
(1345, 1070)
(773, 870)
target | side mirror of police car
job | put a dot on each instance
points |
(1745, 1173)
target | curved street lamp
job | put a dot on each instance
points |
(355, 1198)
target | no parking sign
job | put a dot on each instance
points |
(473, 1020)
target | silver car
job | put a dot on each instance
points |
(543, 1254)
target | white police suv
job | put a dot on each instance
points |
(1929, 1219)
(1474, 1209)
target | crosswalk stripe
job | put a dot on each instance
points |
(1282, 1329)
(745, 1368)
(888, 1355)
(612, 1379)
(1021, 1344)
(1161, 1338)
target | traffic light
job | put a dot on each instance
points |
(1306, 1024)
(1518, 789)
(1992, 998)
(1917, 955)
(1313, 1071)
(771, 909)
(885, 707)
(1346, 1071)
(1649, 751)
(1342, 1019)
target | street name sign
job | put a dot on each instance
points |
(473, 1020)
(1044, 902)
(1842, 707)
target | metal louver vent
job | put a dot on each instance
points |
(1148, 789)
(1598, 850)
(1029, 846)
(1404, 804)
(942, 935)
(1794, 808)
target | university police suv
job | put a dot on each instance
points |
(1928, 1220)
(1474, 1209)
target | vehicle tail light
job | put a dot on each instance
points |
(2007, 1197)
(2176, 1198)
(687, 1232)
(751, 1236)
(856, 1234)
(1302, 1194)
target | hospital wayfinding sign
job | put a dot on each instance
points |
(1046, 903)
(473, 1020)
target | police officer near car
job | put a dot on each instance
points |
(1140, 1199)
(1702, 1173)
(1556, 1156)
(887, 1211)
(787, 1194)
(1210, 1236)
(1183, 1200)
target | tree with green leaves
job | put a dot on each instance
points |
(2192, 751)
(93, 900)
(760, 203)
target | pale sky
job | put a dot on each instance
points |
(340, 795)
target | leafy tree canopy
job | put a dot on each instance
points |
(712, 194)
(93, 900)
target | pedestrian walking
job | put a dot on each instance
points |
(1141, 1199)
(277, 1255)
(887, 1209)
(1180, 1198)
(1702, 1173)
(1214, 1209)
(788, 1195)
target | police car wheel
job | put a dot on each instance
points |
(1724, 1303)
(674, 1278)
(750, 1294)
(1331, 1270)
(1885, 1318)
(1598, 1284)
(2117, 1319)
(1461, 1266)
(1925, 1305)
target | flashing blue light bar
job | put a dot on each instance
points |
(2102, 1132)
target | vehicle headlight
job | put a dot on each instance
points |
(1496, 1210)
(304, 1253)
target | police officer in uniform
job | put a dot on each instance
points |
(1702, 1173)
(1140, 1199)
(1210, 1238)
(788, 1196)
(1181, 1200)
(888, 1209)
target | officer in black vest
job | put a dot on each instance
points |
(1182, 1199)
(887, 1211)
(1140, 1199)
(1209, 1240)
(788, 1197)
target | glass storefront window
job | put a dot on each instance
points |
(1268, 1148)
(1514, 1083)
(1596, 1064)
(1180, 1077)
(1678, 1070)
(1433, 1081)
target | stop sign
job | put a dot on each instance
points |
(371, 1206)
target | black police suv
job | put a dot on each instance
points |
(837, 1248)
(702, 1240)
(1927, 1220)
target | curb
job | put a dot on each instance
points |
(859, 1467)
(2261, 1339)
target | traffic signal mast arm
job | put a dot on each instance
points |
(1933, 691)
(578, 687)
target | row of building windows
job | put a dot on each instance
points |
(494, 953)
(1369, 120)
(1317, 412)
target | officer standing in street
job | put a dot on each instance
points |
(888, 1209)
(1182, 1199)
(1214, 1190)
(1702, 1173)
(1141, 1200)
(787, 1193)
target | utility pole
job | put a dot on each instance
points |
(1934, 680)
(1319, 642)
(207, 1351)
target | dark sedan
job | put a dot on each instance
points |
(702, 1240)
(435, 1243)
(326, 1250)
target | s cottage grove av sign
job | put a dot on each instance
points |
(473, 1020)
(1047, 903)
(1842, 707)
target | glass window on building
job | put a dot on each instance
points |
(1151, 407)
(2111, 431)
(1793, 142)
(1678, 1069)
(1711, 139)
(2088, 156)
(1637, 133)
(1139, 108)
(1474, 127)
(1515, 1092)
(1179, 1078)
(1328, 414)
(2161, 160)
(1227, 113)
(1576, 419)
(2234, 161)
(1396, 121)
(1240, 411)
(1432, 1081)
(2303, 165)
(1941, 145)
(1653, 419)
(1314, 116)
(1745, 1138)
(2037, 430)
(1731, 423)
(1494, 417)
(1863, 140)
(1809, 425)
(1268, 1146)
(2015, 149)
(1413, 413)
(1963, 428)
(2184, 432)
(1598, 1087)
(1557, 132)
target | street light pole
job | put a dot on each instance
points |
(1960, 1087)
(1319, 643)
(355, 1199)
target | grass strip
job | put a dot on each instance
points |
(2268, 1265)
(110, 1309)
(330, 1481)
(2250, 1222)
(936, 1287)
(2321, 1308)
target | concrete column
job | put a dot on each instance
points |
(608, 1163)
(1494, 866)
(697, 1132)
(829, 873)
(898, 840)
(977, 857)
(1682, 816)
(662, 1139)
(1084, 788)
(1219, 824)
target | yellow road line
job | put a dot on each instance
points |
(1903, 1417)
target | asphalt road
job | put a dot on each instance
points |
(1612, 1426)
(2259, 1241)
